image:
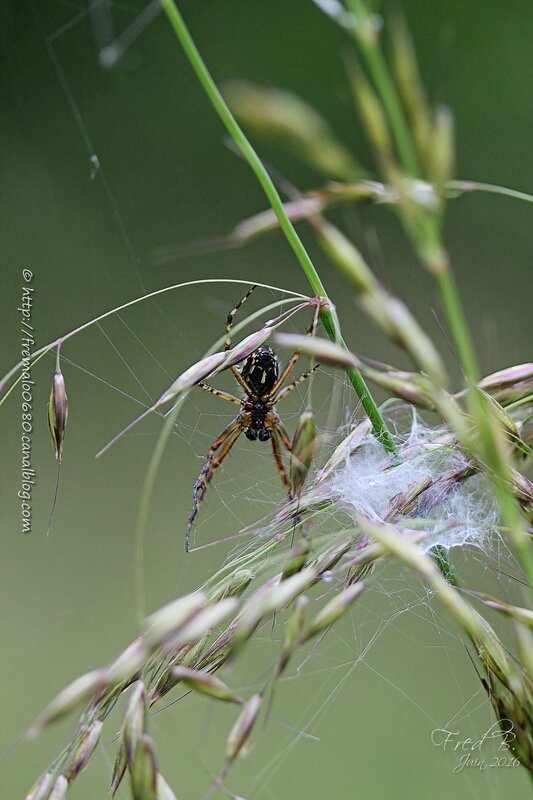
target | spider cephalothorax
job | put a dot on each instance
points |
(262, 383)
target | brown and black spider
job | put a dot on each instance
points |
(262, 382)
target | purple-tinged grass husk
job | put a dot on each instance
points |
(242, 729)
(85, 749)
(58, 413)
(203, 683)
(164, 792)
(134, 724)
(59, 791)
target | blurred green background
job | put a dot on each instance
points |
(357, 720)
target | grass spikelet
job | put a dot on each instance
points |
(302, 452)
(144, 770)
(282, 115)
(273, 599)
(206, 684)
(200, 624)
(42, 787)
(333, 610)
(173, 616)
(78, 691)
(164, 792)
(293, 631)
(58, 413)
(89, 741)
(59, 791)
(134, 724)
(242, 729)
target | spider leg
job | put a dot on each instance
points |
(224, 395)
(303, 377)
(229, 318)
(291, 363)
(282, 431)
(240, 380)
(285, 372)
(216, 455)
(276, 449)
(227, 344)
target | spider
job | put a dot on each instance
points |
(262, 382)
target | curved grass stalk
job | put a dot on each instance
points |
(463, 187)
(41, 351)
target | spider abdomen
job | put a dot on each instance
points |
(261, 371)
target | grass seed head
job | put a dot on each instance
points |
(509, 385)
(165, 622)
(347, 447)
(293, 630)
(411, 89)
(494, 656)
(404, 328)
(240, 733)
(197, 372)
(392, 316)
(200, 624)
(442, 152)
(272, 600)
(128, 663)
(518, 613)
(134, 724)
(372, 116)
(206, 684)
(330, 557)
(247, 346)
(506, 422)
(524, 640)
(302, 451)
(81, 689)
(412, 387)
(58, 412)
(279, 114)
(41, 788)
(84, 750)
(59, 792)
(164, 792)
(321, 349)
(297, 559)
(346, 256)
(234, 586)
(333, 610)
(119, 766)
(515, 716)
(144, 770)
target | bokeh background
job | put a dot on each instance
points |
(357, 719)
